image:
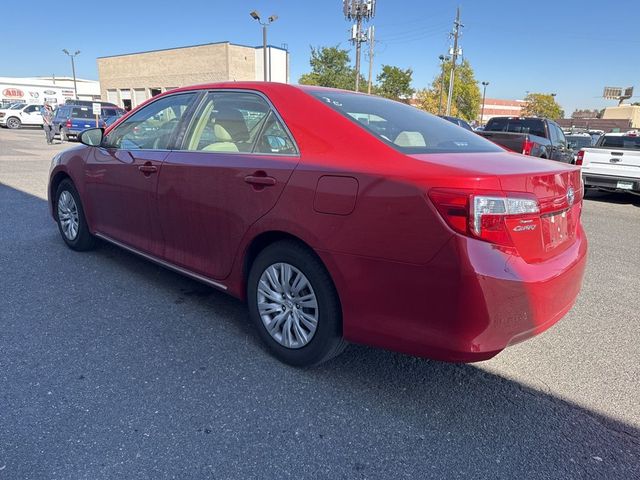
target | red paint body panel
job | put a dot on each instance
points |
(406, 280)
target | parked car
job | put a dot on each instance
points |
(613, 164)
(457, 121)
(89, 103)
(25, 114)
(70, 120)
(577, 141)
(339, 217)
(538, 137)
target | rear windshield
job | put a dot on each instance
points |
(82, 112)
(620, 141)
(516, 125)
(580, 141)
(405, 128)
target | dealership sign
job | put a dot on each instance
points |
(13, 93)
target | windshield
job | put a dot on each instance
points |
(17, 106)
(620, 141)
(405, 128)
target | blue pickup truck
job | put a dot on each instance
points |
(70, 120)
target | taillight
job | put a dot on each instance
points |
(483, 216)
(580, 157)
(68, 124)
(527, 146)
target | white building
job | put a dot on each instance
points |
(55, 90)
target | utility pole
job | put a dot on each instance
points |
(484, 96)
(266, 69)
(454, 54)
(73, 68)
(358, 10)
(371, 44)
(443, 61)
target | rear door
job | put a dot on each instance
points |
(121, 177)
(235, 160)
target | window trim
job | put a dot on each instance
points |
(272, 108)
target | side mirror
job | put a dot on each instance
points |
(91, 137)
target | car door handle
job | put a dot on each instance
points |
(148, 169)
(261, 180)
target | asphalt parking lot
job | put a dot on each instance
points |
(112, 367)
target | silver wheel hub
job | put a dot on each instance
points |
(287, 305)
(68, 215)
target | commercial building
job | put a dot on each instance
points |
(130, 79)
(55, 90)
(624, 112)
(494, 107)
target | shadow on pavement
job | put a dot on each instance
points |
(619, 198)
(112, 367)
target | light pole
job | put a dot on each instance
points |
(443, 60)
(256, 16)
(484, 96)
(73, 68)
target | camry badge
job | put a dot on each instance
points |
(571, 196)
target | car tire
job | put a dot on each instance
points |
(70, 218)
(297, 274)
(13, 122)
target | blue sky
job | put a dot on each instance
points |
(568, 47)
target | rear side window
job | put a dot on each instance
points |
(112, 112)
(82, 112)
(227, 122)
(516, 125)
(405, 128)
(620, 141)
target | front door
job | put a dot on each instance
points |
(234, 162)
(121, 176)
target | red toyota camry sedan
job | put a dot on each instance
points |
(339, 217)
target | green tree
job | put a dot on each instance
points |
(542, 105)
(395, 83)
(330, 67)
(428, 99)
(466, 93)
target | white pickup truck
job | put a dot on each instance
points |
(613, 164)
(18, 115)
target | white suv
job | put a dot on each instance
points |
(23, 115)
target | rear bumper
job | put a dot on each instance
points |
(469, 303)
(610, 181)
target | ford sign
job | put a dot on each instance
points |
(49, 92)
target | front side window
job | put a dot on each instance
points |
(151, 128)
(227, 122)
(405, 128)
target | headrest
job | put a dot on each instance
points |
(221, 133)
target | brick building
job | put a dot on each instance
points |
(130, 79)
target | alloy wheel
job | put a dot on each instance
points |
(287, 305)
(68, 215)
